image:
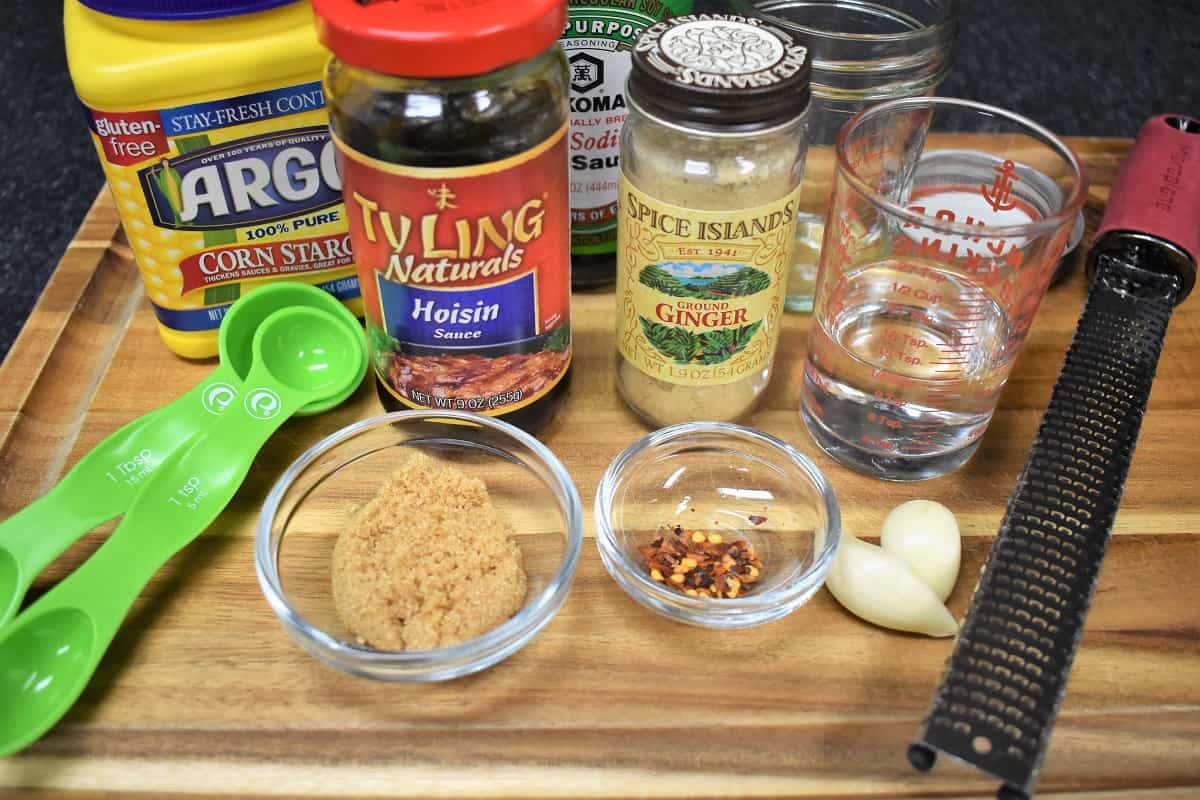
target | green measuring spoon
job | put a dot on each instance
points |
(49, 652)
(103, 483)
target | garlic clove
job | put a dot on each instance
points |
(925, 534)
(879, 587)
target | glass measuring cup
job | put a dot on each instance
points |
(863, 52)
(946, 223)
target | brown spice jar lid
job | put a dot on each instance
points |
(720, 71)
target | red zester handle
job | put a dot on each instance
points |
(1157, 190)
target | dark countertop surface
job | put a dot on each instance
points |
(1079, 67)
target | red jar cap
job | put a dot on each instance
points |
(435, 38)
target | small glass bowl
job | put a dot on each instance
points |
(317, 496)
(717, 477)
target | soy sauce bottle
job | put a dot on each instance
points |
(598, 41)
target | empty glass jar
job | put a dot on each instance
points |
(863, 52)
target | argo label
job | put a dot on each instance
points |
(220, 195)
(700, 293)
(465, 276)
(260, 179)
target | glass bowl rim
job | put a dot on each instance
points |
(531, 617)
(693, 608)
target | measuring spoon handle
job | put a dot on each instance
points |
(178, 501)
(104, 482)
(75, 504)
(181, 498)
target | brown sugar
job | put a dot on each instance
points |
(429, 561)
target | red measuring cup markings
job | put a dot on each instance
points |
(936, 257)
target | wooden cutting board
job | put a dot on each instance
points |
(203, 693)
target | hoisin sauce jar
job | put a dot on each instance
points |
(451, 130)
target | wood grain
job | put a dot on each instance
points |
(202, 692)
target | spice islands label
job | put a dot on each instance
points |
(465, 276)
(700, 293)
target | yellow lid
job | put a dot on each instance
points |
(131, 63)
(227, 100)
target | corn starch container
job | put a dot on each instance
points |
(210, 124)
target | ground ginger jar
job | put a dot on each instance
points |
(450, 122)
(711, 162)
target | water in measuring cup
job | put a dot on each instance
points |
(905, 366)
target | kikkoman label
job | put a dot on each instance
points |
(220, 195)
(598, 40)
(700, 293)
(465, 275)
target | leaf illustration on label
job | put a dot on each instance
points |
(678, 344)
(740, 283)
(560, 339)
(170, 184)
(685, 347)
(724, 343)
(383, 347)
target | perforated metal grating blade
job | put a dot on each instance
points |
(1000, 694)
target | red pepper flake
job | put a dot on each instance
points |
(702, 565)
(756, 519)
